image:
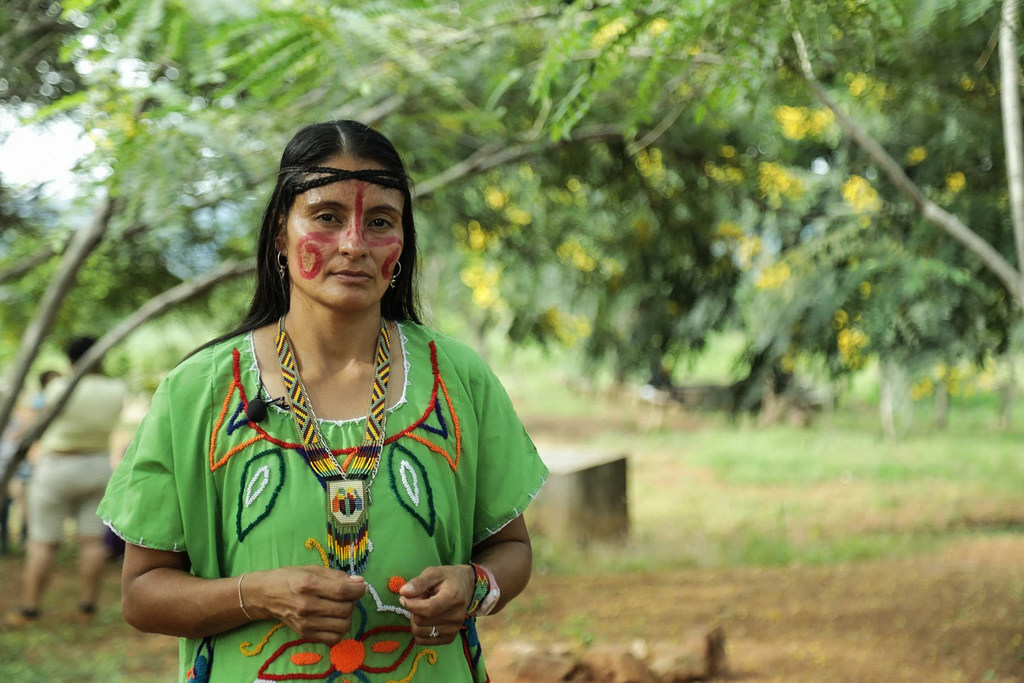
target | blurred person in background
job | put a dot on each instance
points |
(19, 482)
(67, 482)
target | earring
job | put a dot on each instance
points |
(394, 277)
(282, 266)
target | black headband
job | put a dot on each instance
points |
(328, 175)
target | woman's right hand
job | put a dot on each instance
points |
(315, 602)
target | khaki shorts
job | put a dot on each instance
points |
(63, 487)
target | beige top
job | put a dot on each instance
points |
(89, 417)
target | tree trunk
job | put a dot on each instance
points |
(942, 404)
(1009, 69)
(892, 402)
(82, 244)
(1007, 391)
(156, 306)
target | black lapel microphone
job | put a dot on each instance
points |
(256, 411)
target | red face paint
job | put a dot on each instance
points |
(387, 241)
(311, 257)
(388, 269)
(358, 209)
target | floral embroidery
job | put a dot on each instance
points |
(265, 468)
(368, 652)
(409, 483)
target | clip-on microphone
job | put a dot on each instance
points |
(256, 411)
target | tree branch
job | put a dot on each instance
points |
(497, 154)
(929, 210)
(28, 263)
(156, 306)
(82, 244)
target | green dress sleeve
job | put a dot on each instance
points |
(143, 500)
(509, 471)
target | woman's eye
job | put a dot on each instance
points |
(381, 223)
(326, 218)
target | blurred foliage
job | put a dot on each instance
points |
(33, 68)
(624, 178)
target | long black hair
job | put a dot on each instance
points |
(309, 149)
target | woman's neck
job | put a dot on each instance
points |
(327, 340)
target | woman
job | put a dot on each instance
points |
(276, 524)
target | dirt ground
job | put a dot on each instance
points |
(955, 616)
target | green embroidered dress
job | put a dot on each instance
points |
(456, 467)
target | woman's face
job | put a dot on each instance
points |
(342, 241)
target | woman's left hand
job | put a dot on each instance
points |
(438, 599)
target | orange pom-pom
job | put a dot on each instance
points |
(395, 584)
(348, 655)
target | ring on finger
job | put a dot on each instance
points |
(433, 632)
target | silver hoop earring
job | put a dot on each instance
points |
(282, 266)
(394, 277)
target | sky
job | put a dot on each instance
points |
(41, 153)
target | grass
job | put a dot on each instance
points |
(707, 492)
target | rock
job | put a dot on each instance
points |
(699, 656)
(615, 664)
(521, 662)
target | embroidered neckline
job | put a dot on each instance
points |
(402, 400)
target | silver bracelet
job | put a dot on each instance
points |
(240, 603)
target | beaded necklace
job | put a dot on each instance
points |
(347, 488)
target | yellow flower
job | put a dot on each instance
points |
(800, 122)
(727, 151)
(571, 251)
(725, 175)
(494, 197)
(916, 155)
(923, 388)
(649, 163)
(483, 280)
(569, 329)
(858, 84)
(518, 216)
(609, 32)
(773, 276)
(748, 249)
(658, 26)
(850, 342)
(792, 121)
(966, 83)
(573, 185)
(865, 289)
(956, 182)
(840, 319)
(820, 121)
(860, 196)
(729, 230)
(774, 182)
